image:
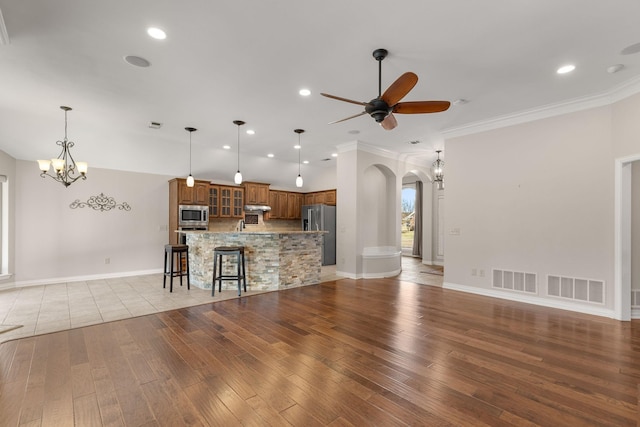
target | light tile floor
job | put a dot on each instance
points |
(56, 307)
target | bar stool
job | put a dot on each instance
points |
(218, 253)
(170, 251)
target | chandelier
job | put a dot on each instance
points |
(438, 176)
(67, 171)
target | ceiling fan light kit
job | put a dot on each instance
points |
(387, 103)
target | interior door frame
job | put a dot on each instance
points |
(622, 237)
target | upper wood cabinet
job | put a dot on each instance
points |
(231, 202)
(330, 197)
(214, 201)
(256, 193)
(327, 197)
(285, 204)
(196, 195)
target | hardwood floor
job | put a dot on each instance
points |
(375, 352)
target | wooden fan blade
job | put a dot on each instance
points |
(350, 117)
(419, 107)
(343, 99)
(399, 88)
(389, 122)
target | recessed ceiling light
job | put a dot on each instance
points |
(460, 101)
(615, 68)
(334, 154)
(353, 132)
(297, 147)
(304, 92)
(270, 155)
(251, 132)
(137, 61)
(306, 162)
(226, 147)
(566, 69)
(156, 33)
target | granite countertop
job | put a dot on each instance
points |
(250, 232)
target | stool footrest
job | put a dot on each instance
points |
(179, 251)
(218, 253)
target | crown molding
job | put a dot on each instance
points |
(4, 35)
(622, 91)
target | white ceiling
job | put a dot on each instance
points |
(247, 59)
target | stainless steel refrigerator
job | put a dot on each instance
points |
(322, 218)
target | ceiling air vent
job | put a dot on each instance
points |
(415, 142)
(155, 125)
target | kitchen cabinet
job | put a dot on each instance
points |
(285, 204)
(214, 201)
(180, 194)
(196, 195)
(282, 204)
(330, 197)
(294, 205)
(327, 197)
(273, 202)
(231, 202)
(256, 193)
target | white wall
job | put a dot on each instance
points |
(536, 197)
(635, 225)
(8, 168)
(57, 243)
(369, 202)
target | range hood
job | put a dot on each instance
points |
(256, 208)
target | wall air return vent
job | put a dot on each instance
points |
(515, 281)
(577, 289)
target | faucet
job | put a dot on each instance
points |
(241, 225)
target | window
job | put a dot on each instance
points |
(408, 216)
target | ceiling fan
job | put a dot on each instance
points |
(387, 103)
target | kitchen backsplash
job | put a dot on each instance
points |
(231, 224)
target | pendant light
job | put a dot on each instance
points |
(299, 178)
(66, 169)
(190, 180)
(238, 176)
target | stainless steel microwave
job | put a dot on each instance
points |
(193, 216)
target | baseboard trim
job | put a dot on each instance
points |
(50, 281)
(381, 275)
(528, 299)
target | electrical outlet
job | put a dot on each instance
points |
(107, 260)
(474, 272)
(481, 273)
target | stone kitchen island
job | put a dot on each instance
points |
(274, 260)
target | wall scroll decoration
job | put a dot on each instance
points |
(100, 203)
